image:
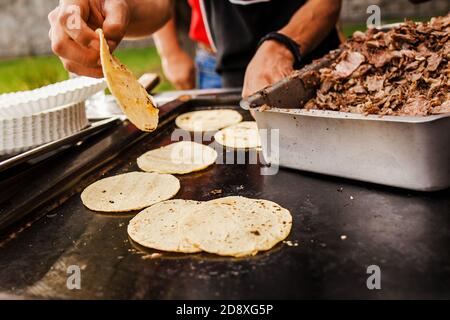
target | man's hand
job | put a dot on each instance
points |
(271, 63)
(178, 66)
(308, 27)
(179, 69)
(73, 24)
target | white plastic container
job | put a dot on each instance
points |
(25, 132)
(25, 103)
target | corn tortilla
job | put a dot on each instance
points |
(243, 135)
(178, 158)
(157, 226)
(133, 99)
(208, 120)
(236, 226)
(129, 191)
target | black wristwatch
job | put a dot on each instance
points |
(290, 44)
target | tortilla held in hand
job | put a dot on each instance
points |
(133, 99)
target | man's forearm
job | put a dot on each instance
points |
(166, 39)
(312, 23)
(147, 16)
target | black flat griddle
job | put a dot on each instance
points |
(45, 229)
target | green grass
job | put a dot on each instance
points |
(144, 60)
(30, 73)
(34, 72)
(349, 29)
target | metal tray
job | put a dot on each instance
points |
(399, 151)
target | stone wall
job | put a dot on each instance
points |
(24, 26)
(355, 10)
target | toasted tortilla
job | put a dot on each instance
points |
(157, 226)
(130, 191)
(243, 135)
(236, 226)
(178, 158)
(133, 99)
(208, 120)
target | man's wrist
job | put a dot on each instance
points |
(289, 45)
(274, 46)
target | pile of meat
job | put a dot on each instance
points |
(404, 71)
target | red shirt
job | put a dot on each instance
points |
(197, 31)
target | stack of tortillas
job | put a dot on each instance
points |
(232, 226)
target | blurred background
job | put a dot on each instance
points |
(26, 61)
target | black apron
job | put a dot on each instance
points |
(236, 26)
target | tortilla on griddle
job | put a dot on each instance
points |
(133, 99)
(178, 158)
(157, 226)
(129, 191)
(236, 226)
(243, 135)
(208, 120)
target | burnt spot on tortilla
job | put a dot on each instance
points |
(255, 232)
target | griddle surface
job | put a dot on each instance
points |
(406, 234)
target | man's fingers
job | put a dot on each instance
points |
(52, 16)
(117, 17)
(82, 70)
(260, 80)
(67, 49)
(73, 40)
(112, 45)
(183, 85)
(70, 18)
(253, 85)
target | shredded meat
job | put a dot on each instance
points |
(349, 64)
(404, 71)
